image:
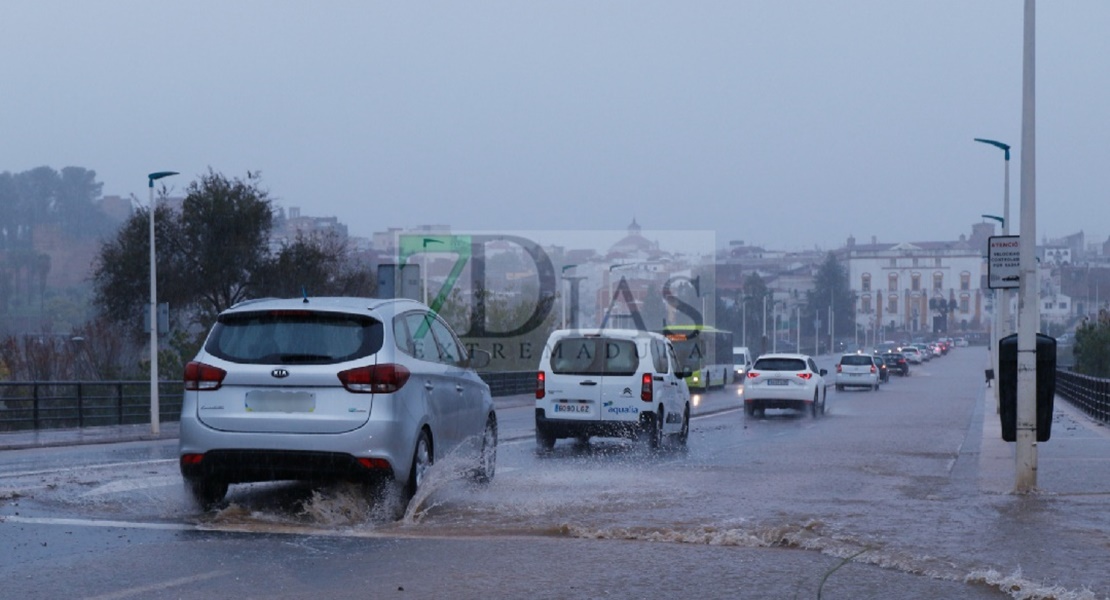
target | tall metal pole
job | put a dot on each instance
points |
(154, 403)
(1028, 317)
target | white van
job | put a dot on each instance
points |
(610, 383)
(741, 363)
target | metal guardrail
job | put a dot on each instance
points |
(1089, 394)
(27, 405)
(30, 405)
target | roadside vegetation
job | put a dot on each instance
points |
(1092, 346)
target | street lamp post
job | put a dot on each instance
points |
(154, 409)
(1002, 303)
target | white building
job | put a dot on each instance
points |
(909, 290)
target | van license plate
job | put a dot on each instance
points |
(580, 409)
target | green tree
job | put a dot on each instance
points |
(751, 311)
(207, 254)
(316, 265)
(1092, 347)
(212, 254)
(830, 289)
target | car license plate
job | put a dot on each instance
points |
(580, 409)
(277, 401)
(777, 382)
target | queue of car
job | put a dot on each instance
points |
(378, 390)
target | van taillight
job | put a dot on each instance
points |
(203, 378)
(646, 388)
(375, 379)
(541, 389)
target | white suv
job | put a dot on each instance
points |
(857, 370)
(611, 383)
(785, 381)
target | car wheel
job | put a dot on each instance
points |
(824, 400)
(421, 462)
(839, 388)
(651, 431)
(205, 491)
(545, 440)
(487, 455)
(815, 408)
(749, 409)
(684, 433)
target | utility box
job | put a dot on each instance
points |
(1007, 385)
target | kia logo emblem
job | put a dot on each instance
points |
(279, 373)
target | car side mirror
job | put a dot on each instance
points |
(683, 374)
(824, 372)
(479, 359)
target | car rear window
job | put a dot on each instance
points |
(594, 356)
(294, 337)
(779, 364)
(856, 360)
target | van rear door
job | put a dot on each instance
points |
(623, 379)
(573, 389)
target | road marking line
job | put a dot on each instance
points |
(96, 523)
(86, 467)
(156, 587)
(130, 485)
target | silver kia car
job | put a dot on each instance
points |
(322, 389)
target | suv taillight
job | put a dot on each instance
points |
(872, 368)
(805, 375)
(838, 370)
(375, 379)
(646, 388)
(203, 378)
(541, 389)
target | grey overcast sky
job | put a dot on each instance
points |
(790, 124)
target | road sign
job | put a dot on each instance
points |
(1003, 262)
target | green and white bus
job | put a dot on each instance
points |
(705, 351)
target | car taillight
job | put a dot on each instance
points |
(872, 368)
(805, 375)
(203, 378)
(837, 368)
(753, 374)
(646, 388)
(375, 379)
(541, 388)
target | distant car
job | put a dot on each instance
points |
(884, 347)
(857, 370)
(320, 389)
(960, 342)
(785, 381)
(884, 371)
(896, 363)
(611, 383)
(913, 355)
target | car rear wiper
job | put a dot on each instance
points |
(304, 358)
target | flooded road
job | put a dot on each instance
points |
(899, 493)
